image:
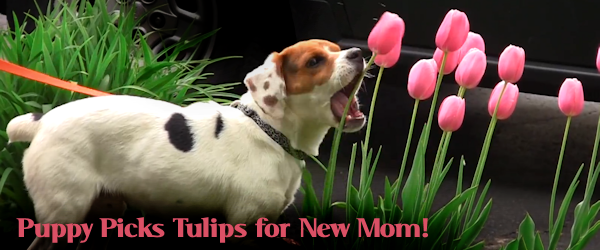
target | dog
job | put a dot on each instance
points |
(243, 161)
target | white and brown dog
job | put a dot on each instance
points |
(241, 161)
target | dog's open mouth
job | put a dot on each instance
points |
(340, 99)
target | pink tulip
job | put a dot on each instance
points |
(451, 60)
(570, 97)
(598, 60)
(390, 59)
(451, 113)
(507, 104)
(422, 79)
(511, 64)
(453, 31)
(471, 69)
(474, 40)
(388, 31)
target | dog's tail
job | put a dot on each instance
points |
(23, 128)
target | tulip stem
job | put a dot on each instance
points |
(558, 166)
(434, 100)
(437, 156)
(438, 163)
(488, 140)
(330, 174)
(435, 179)
(461, 91)
(365, 150)
(406, 149)
(372, 108)
(434, 170)
(485, 149)
(590, 185)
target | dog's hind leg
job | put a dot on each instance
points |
(106, 205)
(62, 188)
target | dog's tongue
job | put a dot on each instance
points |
(338, 103)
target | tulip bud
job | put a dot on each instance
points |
(390, 59)
(451, 60)
(422, 79)
(474, 40)
(451, 113)
(453, 31)
(471, 69)
(570, 97)
(511, 64)
(388, 31)
(598, 60)
(507, 105)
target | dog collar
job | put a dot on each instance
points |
(277, 136)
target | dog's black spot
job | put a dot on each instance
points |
(218, 126)
(180, 201)
(37, 116)
(180, 134)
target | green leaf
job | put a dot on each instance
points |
(527, 232)
(539, 245)
(454, 231)
(513, 245)
(440, 218)
(432, 188)
(388, 201)
(355, 200)
(319, 163)
(4, 177)
(479, 246)
(471, 233)
(339, 204)
(349, 197)
(587, 236)
(413, 188)
(460, 175)
(556, 231)
(397, 214)
(438, 240)
(522, 244)
(479, 202)
(593, 212)
(578, 224)
(372, 168)
(367, 210)
(310, 205)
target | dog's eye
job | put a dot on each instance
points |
(313, 62)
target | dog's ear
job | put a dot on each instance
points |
(267, 87)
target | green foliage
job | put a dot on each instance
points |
(82, 43)
(585, 214)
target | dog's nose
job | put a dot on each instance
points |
(354, 54)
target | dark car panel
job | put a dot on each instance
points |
(559, 37)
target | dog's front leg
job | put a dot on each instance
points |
(249, 211)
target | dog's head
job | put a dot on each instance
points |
(313, 80)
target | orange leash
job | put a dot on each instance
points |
(46, 79)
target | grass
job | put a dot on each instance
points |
(81, 42)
